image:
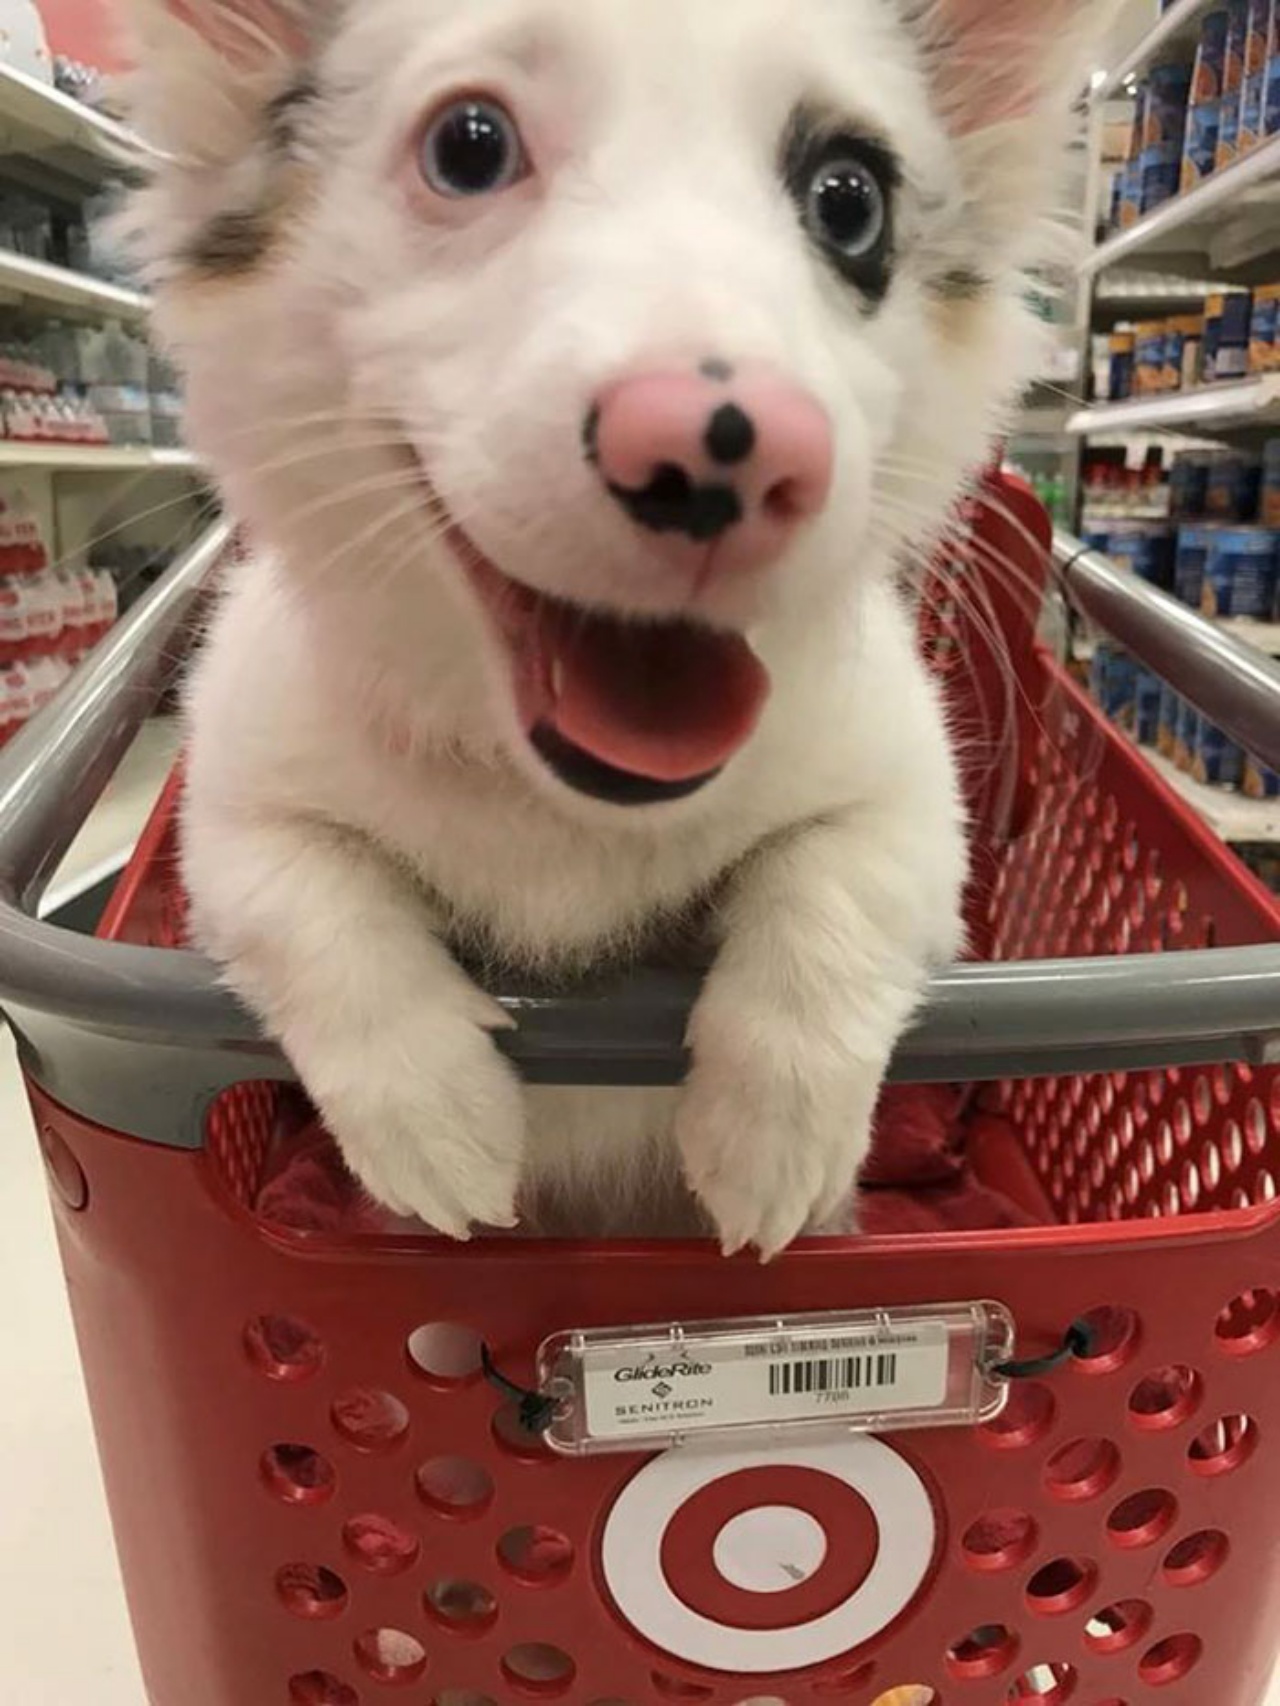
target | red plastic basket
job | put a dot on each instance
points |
(309, 1516)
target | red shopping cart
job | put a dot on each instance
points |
(321, 1500)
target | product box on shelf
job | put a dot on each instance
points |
(1204, 108)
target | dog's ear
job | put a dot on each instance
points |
(206, 70)
(247, 35)
(996, 60)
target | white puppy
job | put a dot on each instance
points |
(581, 374)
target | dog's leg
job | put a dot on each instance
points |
(333, 948)
(830, 935)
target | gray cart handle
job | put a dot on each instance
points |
(139, 1039)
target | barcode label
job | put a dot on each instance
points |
(835, 1374)
(704, 1384)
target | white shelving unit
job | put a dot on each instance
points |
(95, 459)
(1225, 231)
(1209, 410)
(28, 283)
(70, 136)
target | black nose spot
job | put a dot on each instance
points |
(672, 503)
(720, 371)
(731, 436)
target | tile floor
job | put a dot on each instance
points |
(64, 1635)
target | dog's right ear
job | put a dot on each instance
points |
(205, 70)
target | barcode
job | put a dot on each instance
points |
(834, 1374)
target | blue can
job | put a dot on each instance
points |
(1189, 485)
(1187, 741)
(1161, 175)
(1218, 762)
(1200, 156)
(1240, 575)
(1269, 501)
(1194, 546)
(1232, 359)
(1170, 716)
(1113, 679)
(1145, 548)
(1147, 692)
(1260, 781)
(1162, 104)
(1235, 480)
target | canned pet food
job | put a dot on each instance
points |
(1269, 503)
(1161, 171)
(1147, 691)
(1217, 761)
(1240, 574)
(1232, 85)
(1123, 349)
(1170, 717)
(1187, 740)
(1235, 480)
(1182, 351)
(1263, 356)
(1113, 679)
(1150, 344)
(1194, 546)
(1204, 110)
(1162, 107)
(1145, 549)
(1260, 782)
(1214, 308)
(1232, 361)
(1189, 485)
(1253, 99)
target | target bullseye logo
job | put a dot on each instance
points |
(759, 1561)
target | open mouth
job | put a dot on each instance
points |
(632, 712)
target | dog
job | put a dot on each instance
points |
(582, 376)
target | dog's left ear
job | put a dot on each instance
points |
(244, 33)
(997, 60)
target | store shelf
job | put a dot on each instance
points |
(24, 281)
(1264, 635)
(1206, 221)
(1212, 408)
(38, 120)
(1229, 815)
(1176, 33)
(95, 459)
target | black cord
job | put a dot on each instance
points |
(1078, 1343)
(536, 1410)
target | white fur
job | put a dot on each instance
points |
(359, 791)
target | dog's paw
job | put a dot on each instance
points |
(431, 1121)
(772, 1140)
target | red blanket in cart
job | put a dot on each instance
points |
(940, 1163)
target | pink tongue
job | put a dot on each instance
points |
(671, 701)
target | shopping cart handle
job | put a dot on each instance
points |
(140, 1038)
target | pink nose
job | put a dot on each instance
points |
(711, 457)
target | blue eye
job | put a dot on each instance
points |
(473, 148)
(847, 209)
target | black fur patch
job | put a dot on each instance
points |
(283, 115)
(232, 244)
(813, 138)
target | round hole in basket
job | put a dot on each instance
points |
(1170, 1660)
(311, 1591)
(455, 1487)
(536, 1555)
(446, 1353)
(1048, 1684)
(1223, 1447)
(1255, 1126)
(677, 1688)
(1197, 1559)
(469, 1697)
(298, 1475)
(465, 1608)
(536, 1667)
(1027, 1418)
(984, 1652)
(1250, 1323)
(1142, 1519)
(380, 1545)
(369, 1419)
(1114, 1333)
(1165, 1398)
(319, 1688)
(391, 1656)
(1000, 1540)
(283, 1349)
(1120, 1626)
(1232, 1147)
(1264, 1188)
(1081, 1470)
(909, 1694)
(1061, 1586)
(764, 1700)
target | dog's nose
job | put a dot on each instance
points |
(714, 456)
